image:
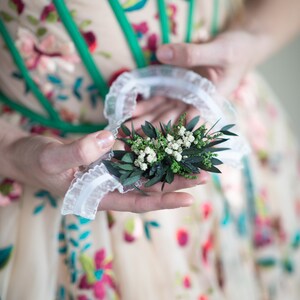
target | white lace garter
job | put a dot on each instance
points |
(91, 185)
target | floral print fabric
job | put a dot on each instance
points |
(239, 240)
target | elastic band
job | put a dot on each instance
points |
(25, 73)
(164, 21)
(81, 47)
(130, 35)
(58, 124)
(215, 18)
(190, 20)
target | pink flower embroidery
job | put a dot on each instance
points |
(91, 40)
(19, 5)
(186, 282)
(46, 11)
(182, 237)
(10, 191)
(140, 29)
(100, 286)
(48, 55)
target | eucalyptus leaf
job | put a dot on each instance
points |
(131, 180)
(125, 129)
(191, 125)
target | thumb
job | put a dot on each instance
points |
(59, 157)
(190, 55)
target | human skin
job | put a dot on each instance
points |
(50, 163)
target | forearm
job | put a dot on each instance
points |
(273, 22)
(9, 134)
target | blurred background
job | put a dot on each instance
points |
(282, 72)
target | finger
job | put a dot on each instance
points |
(138, 203)
(179, 183)
(190, 55)
(155, 117)
(57, 157)
(149, 105)
(173, 114)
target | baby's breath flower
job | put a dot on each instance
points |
(175, 146)
(191, 138)
(147, 150)
(170, 138)
(143, 167)
(181, 130)
(168, 150)
(177, 156)
(179, 142)
(187, 144)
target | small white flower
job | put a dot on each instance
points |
(191, 138)
(179, 149)
(151, 158)
(181, 131)
(175, 146)
(170, 138)
(136, 163)
(148, 139)
(143, 167)
(177, 156)
(179, 142)
(187, 144)
(147, 150)
(195, 142)
(168, 150)
(142, 154)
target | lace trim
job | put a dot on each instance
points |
(91, 185)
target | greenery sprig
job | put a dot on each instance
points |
(177, 149)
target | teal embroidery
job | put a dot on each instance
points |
(5, 254)
(45, 197)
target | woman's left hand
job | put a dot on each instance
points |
(223, 60)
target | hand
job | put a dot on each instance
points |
(50, 164)
(223, 60)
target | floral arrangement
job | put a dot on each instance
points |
(158, 155)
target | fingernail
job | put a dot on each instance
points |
(105, 139)
(165, 53)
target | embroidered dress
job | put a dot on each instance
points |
(241, 237)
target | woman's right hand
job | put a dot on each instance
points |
(50, 164)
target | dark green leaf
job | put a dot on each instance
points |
(149, 130)
(216, 161)
(227, 127)
(128, 158)
(126, 167)
(162, 129)
(216, 142)
(131, 180)
(126, 130)
(212, 169)
(228, 133)
(191, 151)
(109, 166)
(191, 125)
(169, 176)
(215, 149)
(118, 154)
(154, 180)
